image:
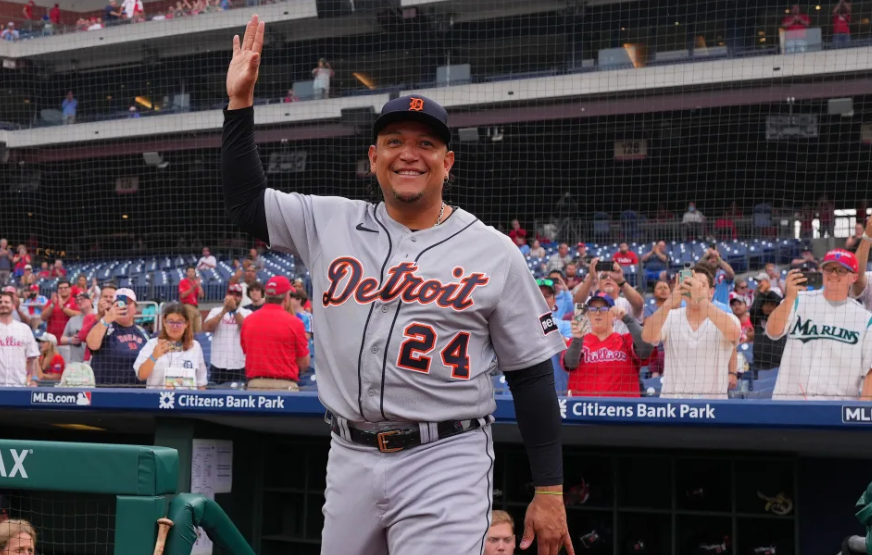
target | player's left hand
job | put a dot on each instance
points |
(546, 522)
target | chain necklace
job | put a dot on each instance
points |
(441, 212)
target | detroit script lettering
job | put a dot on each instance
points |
(346, 281)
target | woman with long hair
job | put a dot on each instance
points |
(174, 359)
(51, 363)
(17, 537)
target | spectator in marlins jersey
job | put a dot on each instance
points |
(829, 341)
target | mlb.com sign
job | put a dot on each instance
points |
(12, 463)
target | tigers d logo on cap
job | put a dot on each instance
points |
(277, 285)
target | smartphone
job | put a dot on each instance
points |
(579, 312)
(684, 275)
(605, 266)
(813, 280)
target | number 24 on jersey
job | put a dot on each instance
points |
(420, 342)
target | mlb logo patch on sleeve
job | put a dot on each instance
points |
(548, 323)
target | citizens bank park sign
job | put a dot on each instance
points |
(573, 410)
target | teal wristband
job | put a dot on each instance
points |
(102, 321)
(151, 358)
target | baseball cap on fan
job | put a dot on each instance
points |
(414, 108)
(125, 294)
(277, 285)
(843, 258)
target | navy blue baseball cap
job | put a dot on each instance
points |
(414, 108)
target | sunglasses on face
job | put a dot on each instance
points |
(595, 309)
(175, 324)
(545, 282)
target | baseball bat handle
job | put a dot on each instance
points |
(164, 525)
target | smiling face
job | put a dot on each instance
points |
(175, 325)
(410, 162)
(600, 322)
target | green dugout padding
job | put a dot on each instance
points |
(88, 467)
(189, 511)
(139, 477)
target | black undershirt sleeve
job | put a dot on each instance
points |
(538, 415)
(242, 176)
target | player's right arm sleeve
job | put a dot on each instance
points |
(538, 414)
(522, 328)
(572, 356)
(242, 176)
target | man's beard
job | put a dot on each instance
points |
(5, 311)
(408, 199)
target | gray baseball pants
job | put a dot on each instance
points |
(434, 498)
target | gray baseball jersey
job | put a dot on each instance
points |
(408, 324)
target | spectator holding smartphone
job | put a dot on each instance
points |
(861, 289)
(225, 323)
(602, 362)
(613, 284)
(115, 342)
(174, 352)
(829, 342)
(699, 340)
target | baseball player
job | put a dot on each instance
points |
(415, 300)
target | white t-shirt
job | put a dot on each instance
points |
(245, 300)
(207, 262)
(828, 349)
(322, 78)
(694, 217)
(697, 364)
(226, 345)
(17, 344)
(192, 359)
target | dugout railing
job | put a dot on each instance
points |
(139, 477)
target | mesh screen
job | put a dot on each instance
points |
(64, 524)
(598, 122)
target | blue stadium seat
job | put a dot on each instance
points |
(651, 387)
(747, 350)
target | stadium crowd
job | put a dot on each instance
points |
(703, 331)
(90, 334)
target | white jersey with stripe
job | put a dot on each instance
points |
(407, 324)
(828, 350)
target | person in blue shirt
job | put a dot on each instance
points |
(724, 276)
(115, 342)
(68, 107)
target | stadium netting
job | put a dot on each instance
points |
(599, 122)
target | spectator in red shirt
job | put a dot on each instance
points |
(60, 309)
(58, 270)
(739, 306)
(44, 271)
(842, 23)
(601, 362)
(625, 257)
(274, 341)
(518, 234)
(21, 260)
(51, 363)
(795, 23)
(28, 9)
(81, 285)
(190, 293)
(54, 14)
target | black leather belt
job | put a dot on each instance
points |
(391, 441)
